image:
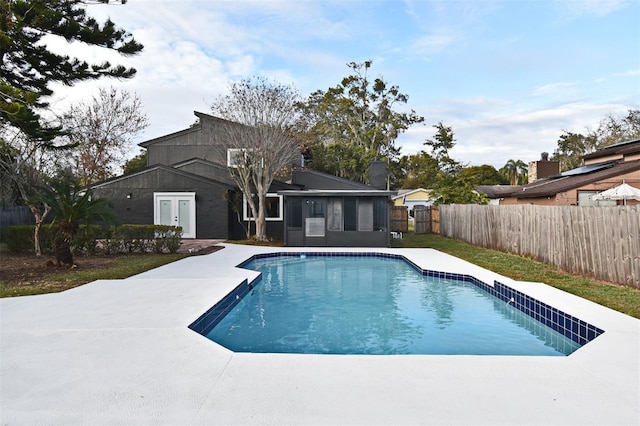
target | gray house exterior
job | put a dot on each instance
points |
(335, 212)
(187, 183)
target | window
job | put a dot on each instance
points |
(236, 157)
(357, 214)
(273, 207)
(584, 200)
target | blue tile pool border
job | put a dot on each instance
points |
(569, 326)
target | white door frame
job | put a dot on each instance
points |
(175, 197)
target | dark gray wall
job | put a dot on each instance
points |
(378, 175)
(295, 237)
(212, 211)
(196, 142)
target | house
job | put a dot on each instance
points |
(187, 183)
(412, 197)
(331, 211)
(603, 169)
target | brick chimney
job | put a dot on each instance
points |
(543, 168)
(378, 175)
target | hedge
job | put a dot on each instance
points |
(93, 239)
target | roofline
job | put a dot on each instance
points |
(337, 192)
(167, 168)
(619, 147)
(190, 129)
(413, 191)
(333, 177)
(594, 177)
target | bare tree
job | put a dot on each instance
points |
(102, 131)
(22, 165)
(256, 138)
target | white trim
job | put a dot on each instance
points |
(231, 154)
(175, 196)
(412, 191)
(246, 209)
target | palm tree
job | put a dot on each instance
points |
(516, 171)
(73, 206)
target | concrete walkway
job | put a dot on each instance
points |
(119, 352)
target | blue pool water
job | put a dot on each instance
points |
(373, 305)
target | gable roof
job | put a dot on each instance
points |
(192, 129)
(276, 185)
(405, 192)
(496, 191)
(551, 186)
(163, 169)
(205, 168)
(620, 148)
(313, 179)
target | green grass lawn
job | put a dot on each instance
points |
(60, 279)
(623, 299)
(620, 298)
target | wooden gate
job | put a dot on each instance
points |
(399, 219)
(435, 220)
(422, 219)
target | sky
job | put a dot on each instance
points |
(509, 77)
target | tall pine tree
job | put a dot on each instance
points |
(28, 67)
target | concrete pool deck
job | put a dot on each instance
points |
(120, 352)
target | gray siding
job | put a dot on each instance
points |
(212, 211)
(195, 142)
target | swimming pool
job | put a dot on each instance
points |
(371, 303)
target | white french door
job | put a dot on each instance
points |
(176, 209)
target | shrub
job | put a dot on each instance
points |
(20, 239)
(87, 239)
(93, 239)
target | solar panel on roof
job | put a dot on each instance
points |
(588, 169)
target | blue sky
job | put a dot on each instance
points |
(507, 76)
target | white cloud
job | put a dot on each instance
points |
(574, 9)
(488, 75)
(555, 89)
(495, 135)
(429, 44)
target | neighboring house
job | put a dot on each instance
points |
(602, 170)
(412, 197)
(187, 183)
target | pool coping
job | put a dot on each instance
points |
(119, 351)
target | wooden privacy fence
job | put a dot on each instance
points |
(426, 220)
(15, 215)
(599, 242)
(399, 219)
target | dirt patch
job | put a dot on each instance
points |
(21, 272)
(27, 270)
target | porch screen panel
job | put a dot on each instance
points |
(380, 212)
(365, 214)
(334, 214)
(314, 223)
(294, 213)
(350, 214)
(184, 216)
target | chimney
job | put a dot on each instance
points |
(378, 175)
(543, 168)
